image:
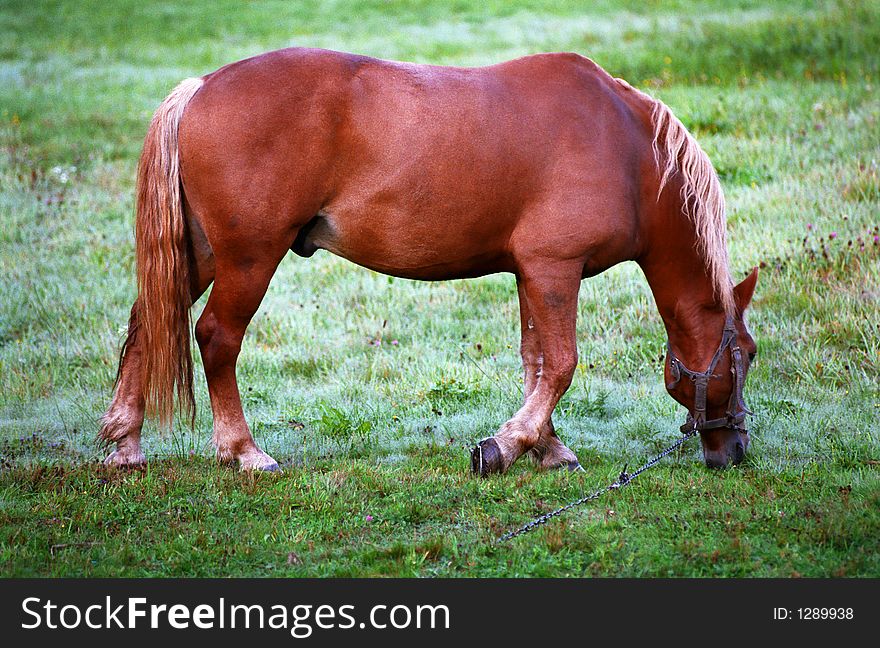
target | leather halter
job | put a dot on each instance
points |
(736, 407)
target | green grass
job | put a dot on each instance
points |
(370, 391)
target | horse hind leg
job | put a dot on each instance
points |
(121, 424)
(548, 300)
(239, 288)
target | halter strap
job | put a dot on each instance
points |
(736, 407)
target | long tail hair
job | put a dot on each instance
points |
(163, 274)
(676, 150)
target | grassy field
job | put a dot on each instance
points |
(371, 391)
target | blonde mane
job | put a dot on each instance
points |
(675, 149)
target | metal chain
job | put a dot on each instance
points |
(622, 480)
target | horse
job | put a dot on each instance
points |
(545, 167)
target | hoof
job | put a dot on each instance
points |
(486, 458)
(258, 461)
(117, 459)
(571, 466)
(568, 466)
(565, 460)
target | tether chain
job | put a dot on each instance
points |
(622, 480)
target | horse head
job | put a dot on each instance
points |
(714, 397)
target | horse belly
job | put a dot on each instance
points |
(410, 247)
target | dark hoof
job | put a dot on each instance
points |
(272, 467)
(570, 466)
(573, 466)
(486, 458)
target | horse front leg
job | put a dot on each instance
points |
(549, 452)
(548, 309)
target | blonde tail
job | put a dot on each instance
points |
(163, 281)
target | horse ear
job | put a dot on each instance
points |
(742, 293)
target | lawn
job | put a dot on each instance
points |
(370, 391)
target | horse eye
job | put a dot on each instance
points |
(751, 357)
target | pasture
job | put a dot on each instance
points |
(371, 391)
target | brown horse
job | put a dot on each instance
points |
(545, 167)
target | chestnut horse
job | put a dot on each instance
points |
(545, 167)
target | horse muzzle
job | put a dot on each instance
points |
(723, 447)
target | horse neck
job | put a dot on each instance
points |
(691, 310)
